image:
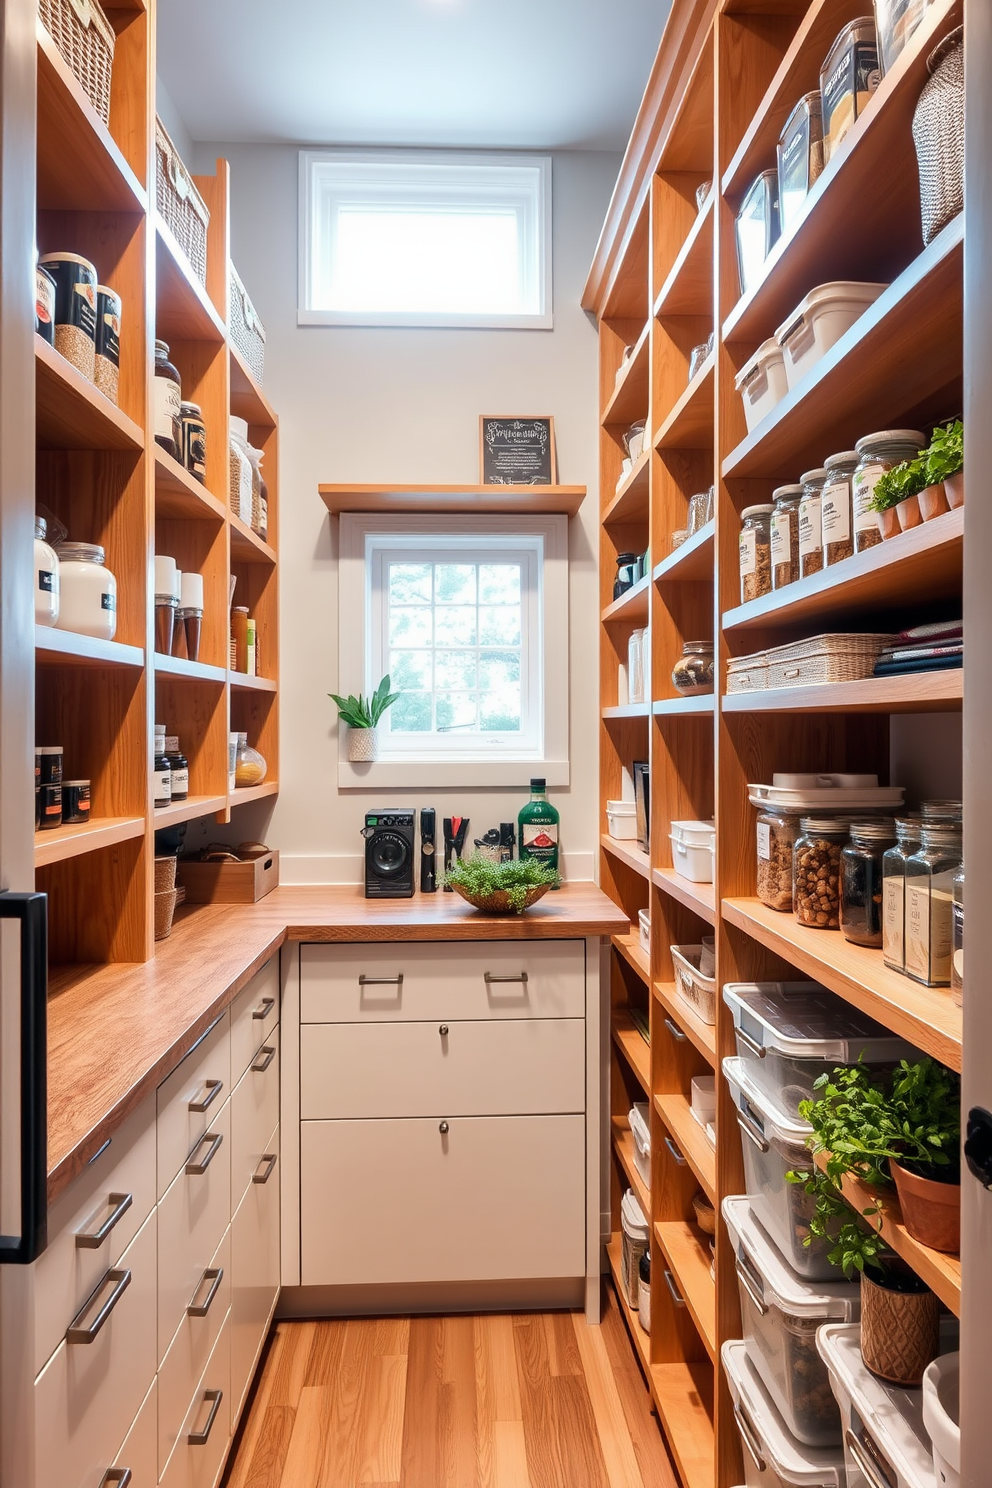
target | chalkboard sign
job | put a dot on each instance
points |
(517, 452)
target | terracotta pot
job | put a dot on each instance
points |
(363, 745)
(931, 1211)
(900, 1332)
(954, 487)
(933, 501)
(888, 522)
(909, 513)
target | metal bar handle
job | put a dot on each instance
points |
(367, 981)
(215, 1275)
(119, 1476)
(76, 1333)
(269, 1159)
(753, 1133)
(200, 1438)
(675, 1031)
(749, 1283)
(262, 1065)
(211, 1090)
(122, 1203)
(493, 977)
(264, 1008)
(676, 1154)
(749, 1437)
(32, 912)
(676, 1295)
(197, 1169)
(868, 1468)
(743, 1037)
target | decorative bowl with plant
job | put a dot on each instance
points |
(501, 888)
(362, 716)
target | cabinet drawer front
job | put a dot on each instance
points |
(198, 1465)
(190, 1350)
(492, 1068)
(192, 1218)
(139, 1451)
(89, 1393)
(442, 980)
(254, 1113)
(495, 1198)
(113, 1196)
(203, 1079)
(254, 1277)
(254, 1014)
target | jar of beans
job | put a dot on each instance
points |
(861, 890)
(785, 536)
(756, 552)
(777, 831)
(816, 869)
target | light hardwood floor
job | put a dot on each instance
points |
(494, 1401)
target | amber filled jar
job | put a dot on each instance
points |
(756, 552)
(908, 830)
(861, 889)
(785, 536)
(811, 522)
(194, 440)
(816, 871)
(930, 875)
(878, 453)
(693, 672)
(835, 507)
(168, 403)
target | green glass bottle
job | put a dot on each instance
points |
(538, 823)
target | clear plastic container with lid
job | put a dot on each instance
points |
(849, 76)
(929, 899)
(835, 507)
(785, 535)
(88, 597)
(908, 830)
(877, 453)
(46, 577)
(773, 1458)
(816, 864)
(756, 551)
(811, 522)
(861, 883)
(777, 830)
(800, 157)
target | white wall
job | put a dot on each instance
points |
(403, 406)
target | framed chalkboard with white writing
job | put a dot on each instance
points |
(517, 452)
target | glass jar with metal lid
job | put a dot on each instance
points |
(811, 522)
(816, 866)
(908, 830)
(930, 876)
(756, 552)
(835, 507)
(785, 535)
(877, 453)
(88, 598)
(957, 937)
(861, 892)
(941, 811)
(692, 674)
(776, 832)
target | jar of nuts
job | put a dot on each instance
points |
(861, 891)
(816, 871)
(777, 831)
(756, 552)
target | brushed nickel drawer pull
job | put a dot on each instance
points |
(367, 981)
(200, 1438)
(215, 1275)
(264, 1008)
(197, 1169)
(76, 1333)
(211, 1090)
(675, 1031)
(676, 1295)
(119, 1476)
(270, 1159)
(443, 1030)
(676, 1154)
(269, 1051)
(443, 1128)
(518, 976)
(122, 1203)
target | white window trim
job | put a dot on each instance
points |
(354, 653)
(310, 161)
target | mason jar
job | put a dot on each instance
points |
(811, 522)
(46, 577)
(785, 536)
(693, 672)
(929, 898)
(878, 453)
(861, 891)
(835, 507)
(908, 830)
(88, 599)
(957, 937)
(776, 832)
(816, 869)
(756, 552)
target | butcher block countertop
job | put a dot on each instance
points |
(115, 1032)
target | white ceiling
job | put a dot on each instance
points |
(537, 74)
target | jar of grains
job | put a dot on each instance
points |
(894, 891)
(785, 536)
(835, 507)
(693, 672)
(861, 897)
(877, 453)
(777, 831)
(811, 522)
(756, 552)
(930, 876)
(168, 402)
(816, 871)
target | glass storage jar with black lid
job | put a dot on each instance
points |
(785, 535)
(811, 522)
(756, 552)
(816, 862)
(626, 574)
(877, 453)
(930, 876)
(693, 672)
(908, 830)
(168, 402)
(777, 830)
(861, 893)
(835, 507)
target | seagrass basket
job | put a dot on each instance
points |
(182, 207)
(938, 133)
(824, 658)
(247, 330)
(86, 40)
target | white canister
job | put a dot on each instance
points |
(88, 598)
(46, 577)
(635, 667)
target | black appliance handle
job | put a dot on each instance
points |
(32, 912)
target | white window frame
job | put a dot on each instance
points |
(457, 764)
(415, 175)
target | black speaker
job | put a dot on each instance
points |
(389, 854)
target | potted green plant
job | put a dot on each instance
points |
(501, 888)
(362, 717)
(896, 497)
(945, 462)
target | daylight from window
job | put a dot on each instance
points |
(455, 262)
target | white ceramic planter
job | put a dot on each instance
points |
(363, 745)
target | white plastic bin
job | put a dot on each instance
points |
(941, 1417)
(780, 1314)
(621, 820)
(772, 1456)
(819, 321)
(693, 846)
(644, 930)
(637, 1119)
(790, 1033)
(697, 990)
(636, 1238)
(762, 382)
(702, 1101)
(882, 1423)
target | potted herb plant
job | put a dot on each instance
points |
(945, 462)
(501, 888)
(362, 717)
(896, 497)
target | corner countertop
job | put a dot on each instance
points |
(116, 1031)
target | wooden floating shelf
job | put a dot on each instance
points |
(179, 495)
(690, 562)
(518, 500)
(183, 310)
(690, 1139)
(690, 423)
(247, 546)
(628, 710)
(188, 810)
(71, 413)
(913, 692)
(634, 954)
(925, 1016)
(623, 1146)
(700, 898)
(630, 504)
(688, 1254)
(683, 1394)
(246, 794)
(639, 1338)
(701, 1035)
(629, 400)
(239, 682)
(688, 289)
(66, 648)
(247, 399)
(178, 668)
(628, 852)
(682, 707)
(635, 1051)
(72, 841)
(632, 607)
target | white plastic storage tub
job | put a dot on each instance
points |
(882, 1424)
(772, 1456)
(818, 322)
(644, 930)
(790, 1033)
(942, 1418)
(697, 990)
(775, 1144)
(621, 820)
(636, 1236)
(780, 1314)
(693, 847)
(762, 382)
(637, 1120)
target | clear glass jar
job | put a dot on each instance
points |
(957, 936)
(625, 575)
(861, 890)
(816, 868)
(693, 672)
(908, 830)
(636, 675)
(941, 811)
(88, 597)
(835, 507)
(777, 831)
(877, 453)
(785, 536)
(930, 876)
(811, 522)
(168, 402)
(46, 577)
(756, 552)
(249, 765)
(242, 475)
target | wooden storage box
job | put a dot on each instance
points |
(229, 883)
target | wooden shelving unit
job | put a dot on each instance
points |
(522, 500)
(727, 75)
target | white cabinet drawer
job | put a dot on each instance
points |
(494, 1198)
(190, 1350)
(139, 1451)
(88, 1394)
(206, 1431)
(192, 1218)
(493, 1068)
(254, 1276)
(442, 980)
(254, 1113)
(187, 1102)
(112, 1197)
(254, 1014)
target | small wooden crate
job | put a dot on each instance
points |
(229, 883)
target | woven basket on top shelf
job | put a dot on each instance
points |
(747, 673)
(247, 330)
(86, 40)
(824, 658)
(185, 212)
(938, 133)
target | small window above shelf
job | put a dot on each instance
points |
(518, 500)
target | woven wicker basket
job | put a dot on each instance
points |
(938, 133)
(695, 989)
(247, 331)
(747, 673)
(185, 212)
(824, 658)
(165, 908)
(165, 875)
(86, 40)
(498, 903)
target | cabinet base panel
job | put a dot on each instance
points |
(398, 1299)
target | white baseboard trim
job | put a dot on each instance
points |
(349, 868)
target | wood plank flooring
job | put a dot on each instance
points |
(494, 1401)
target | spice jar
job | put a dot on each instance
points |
(161, 770)
(46, 576)
(625, 575)
(194, 440)
(168, 403)
(894, 891)
(88, 591)
(785, 536)
(239, 638)
(930, 876)
(107, 362)
(811, 522)
(189, 616)
(777, 831)
(178, 769)
(48, 761)
(166, 602)
(44, 305)
(693, 672)
(957, 936)
(861, 892)
(877, 453)
(75, 309)
(816, 871)
(48, 811)
(75, 802)
(835, 507)
(756, 552)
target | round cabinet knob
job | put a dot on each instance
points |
(443, 1128)
(443, 1030)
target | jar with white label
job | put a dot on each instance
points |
(785, 535)
(756, 552)
(88, 597)
(161, 770)
(811, 522)
(877, 453)
(777, 831)
(167, 404)
(835, 507)
(46, 577)
(930, 874)
(894, 891)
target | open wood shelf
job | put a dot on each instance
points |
(699, 897)
(246, 794)
(630, 503)
(66, 648)
(628, 1039)
(634, 954)
(71, 413)
(516, 500)
(247, 399)
(629, 400)
(628, 710)
(631, 607)
(178, 667)
(247, 546)
(623, 1146)
(687, 1251)
(701, 705)
(72, 841)
(183, 309)
(188, 810)
(689, 425)
(688, 290)
(691, 561)
(180, 495)
(239, 682)
(683, 1393)
(912, 692)
(628, 852)
(690, 1139)
(639, 1338)
(701, 1035)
